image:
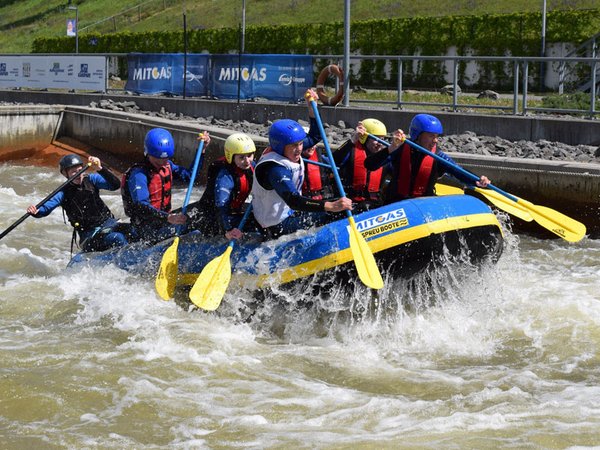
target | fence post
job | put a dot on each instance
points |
(515, 87)
(525, 80)
(593, 90)
(455, 85)
(399, 97)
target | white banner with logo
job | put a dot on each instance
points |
(54, 72)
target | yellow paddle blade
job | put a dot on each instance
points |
(567, 228)
(499, 201)
(367, 269)
(166, 279)
(506, 204)
(210, 287)
(444, 189)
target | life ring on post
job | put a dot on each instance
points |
(328, 71)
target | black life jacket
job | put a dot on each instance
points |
(83, 206)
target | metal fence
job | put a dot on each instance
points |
(562, 76)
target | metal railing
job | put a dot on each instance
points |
(519, 77)
(521, 80)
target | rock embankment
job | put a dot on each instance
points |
(467, 142)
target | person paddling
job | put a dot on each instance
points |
(228, 185)
(92, 220)
(279, 206)
(146, 188)
(414, 173)
(363, 185)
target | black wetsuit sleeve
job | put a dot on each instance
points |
(279, 178)
(375, 160)
(112, 180)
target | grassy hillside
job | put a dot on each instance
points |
(23, 20)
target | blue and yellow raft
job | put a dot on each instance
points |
(405, 238)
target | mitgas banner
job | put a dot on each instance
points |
(274, 77)
(46, 72)
(159, 73)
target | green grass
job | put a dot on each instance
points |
(21, 21)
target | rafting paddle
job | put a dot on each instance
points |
(496, 199)
(567, 228)
(166, 279)
(211, 284)
(367, 269)
(48, 197)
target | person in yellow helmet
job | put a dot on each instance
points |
(228, 185)
(361, 185)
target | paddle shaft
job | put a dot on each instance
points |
(333, 167)
(456, 167)
(316, 163)
(197, 162)
(48, 197)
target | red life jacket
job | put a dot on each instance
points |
(242, 180)
(313, 184)
(242, 186)
(365, 184)
(421, 181)
(159, 187)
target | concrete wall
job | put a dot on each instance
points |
(572, 188)
(568, 130)
(25, 130)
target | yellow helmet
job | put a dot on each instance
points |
(374, 127)
(238, 144)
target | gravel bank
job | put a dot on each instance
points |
(467, 142)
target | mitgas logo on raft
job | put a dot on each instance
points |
(383, 223)
(152, 73)
(233, 74)
(3, 71)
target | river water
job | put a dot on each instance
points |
(505, 356)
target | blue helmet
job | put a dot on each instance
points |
(424, 123)
(159, 143)
(284, 132)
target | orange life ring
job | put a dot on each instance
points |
(334, 70)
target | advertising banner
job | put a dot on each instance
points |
(274, 77)
(159, 73)
(47, 72)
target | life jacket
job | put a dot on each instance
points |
(407, 186)
(366, 184)
(313, 181)
(269, 208)
(84, 207)
(159, 187)
(242, 180)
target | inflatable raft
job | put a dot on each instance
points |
(405, 238)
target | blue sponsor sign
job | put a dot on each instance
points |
(275, 77)
(156, 73)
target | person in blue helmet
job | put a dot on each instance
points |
(414, 173)
(92, 220)
(279, 206)
(146, 188)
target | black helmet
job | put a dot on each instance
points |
(69, 161)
